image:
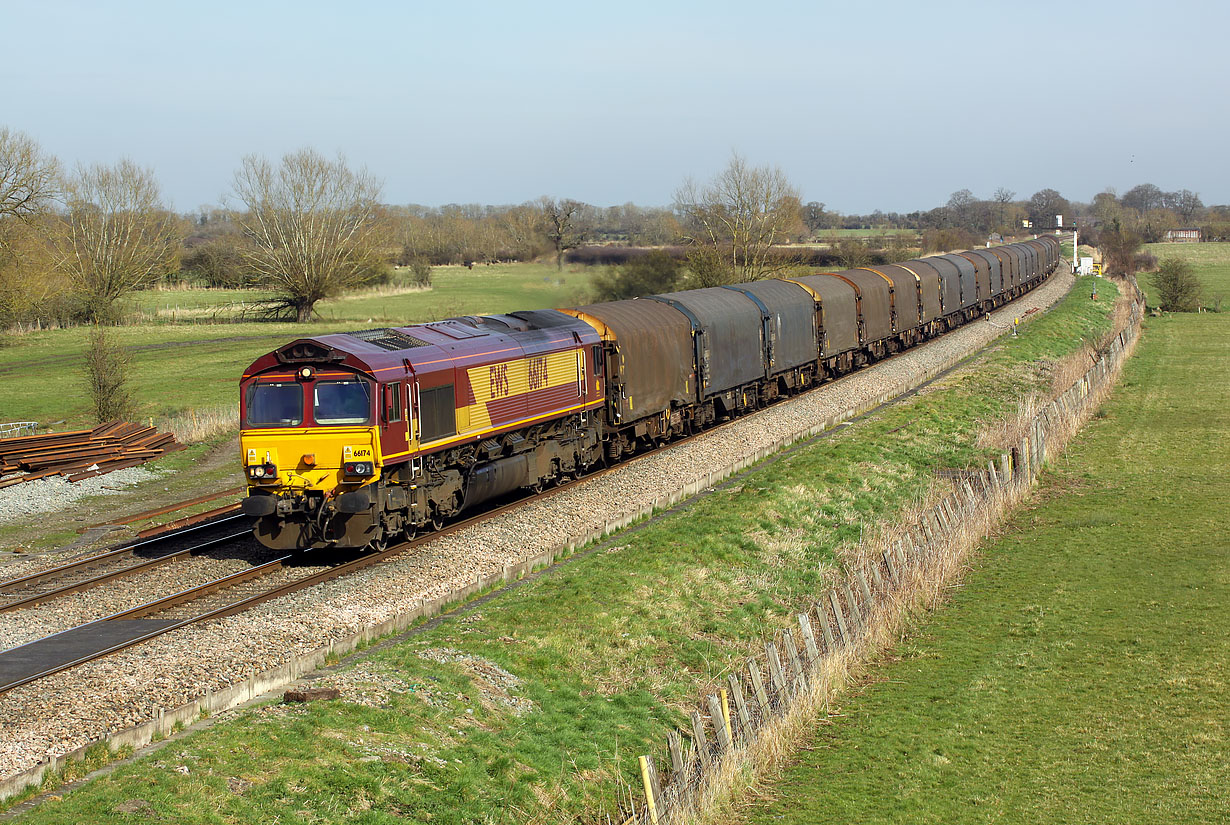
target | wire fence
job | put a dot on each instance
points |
(802, 661)
(17, 428)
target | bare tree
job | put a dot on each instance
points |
(961, 206)
(1105, 206)
(1002, 197)
(734, 221)
(313, 224)
(115, 236)
(1045, 205)
(813, 217)
(561, 221)
(1143, 197)
(28, 176)
(29, 181)
(1186, 202)
(521, 226)
(1119, 246)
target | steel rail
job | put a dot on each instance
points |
(110, 555)
(121, 573)
(152, 608)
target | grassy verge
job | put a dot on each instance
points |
(1080, 674)
(536, 704)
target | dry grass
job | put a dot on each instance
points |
(200, 425)
(381, 291)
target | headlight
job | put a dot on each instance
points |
(359, 468)
(263, 471)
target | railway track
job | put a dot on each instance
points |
(96, 570)
(215, 599)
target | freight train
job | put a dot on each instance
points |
(357, 439)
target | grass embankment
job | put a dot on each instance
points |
(1081, 672)
(541, 700)
(184, 361)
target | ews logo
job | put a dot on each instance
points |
(538, 373)
(498, 376)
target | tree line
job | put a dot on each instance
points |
(74, 244)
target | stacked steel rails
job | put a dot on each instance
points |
(82, 454)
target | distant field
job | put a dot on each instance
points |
(183, 361)
(1212, 262)
(878, 232)
(493, 288)
(1081, 672)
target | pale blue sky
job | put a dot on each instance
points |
(864, 105)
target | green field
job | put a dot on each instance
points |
(1212, 264)
(606, 654)
(182, 361)
(1080, 673)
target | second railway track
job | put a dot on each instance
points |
(214, 599)
(83, 574)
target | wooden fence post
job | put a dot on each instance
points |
(776, 676)
(675, 746)
(822, 613)
(877, 578)
(809, 640)
(762, 698)
(796, 667)
(863, 588)
(892, 568)
(855, 613)
(698, 737)
(841, 620)
(719, 722)
(745, 716)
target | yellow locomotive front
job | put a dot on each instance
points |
(310, 447)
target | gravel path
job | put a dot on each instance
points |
(55, 493)
(64, 711)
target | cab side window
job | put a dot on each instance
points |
(393, 403)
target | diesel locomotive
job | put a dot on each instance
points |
(356, 439)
